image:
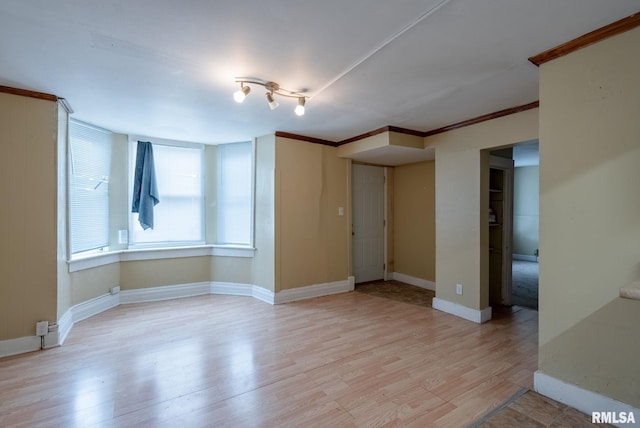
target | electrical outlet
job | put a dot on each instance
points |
(459, 289)
(114, 290)
(123, 236)
(42, 328)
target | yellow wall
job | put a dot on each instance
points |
(462, 202)
(414, 220)
(28, 216)
(312, 241)
(590, 217)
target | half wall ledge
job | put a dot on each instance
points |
(631, 291)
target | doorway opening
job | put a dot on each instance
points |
(525, 267)
(513, 225)
(367, 231)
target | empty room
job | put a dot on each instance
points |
(317, 214)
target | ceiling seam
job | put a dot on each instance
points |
(382, 46)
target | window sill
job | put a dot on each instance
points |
(232, 251)
(93, 260)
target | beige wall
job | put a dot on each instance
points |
(590, 217)
(312, 241)
(28, 216)
(526, 209)
(462, 202)
(414, 220)
(88, 284)
(159, 272)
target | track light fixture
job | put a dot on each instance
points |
(273, 104)
(241, 93)
(300, 107)
(272, 89)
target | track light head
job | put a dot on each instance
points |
(273, 104)
(300, 107)
(273, 89)
(241, 93)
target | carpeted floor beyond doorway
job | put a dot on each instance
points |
(524, 289)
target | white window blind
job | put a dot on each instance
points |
(90, 160)
(234, 219)
(178, 218)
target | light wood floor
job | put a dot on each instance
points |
(337, 361)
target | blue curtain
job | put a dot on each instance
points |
(145, 188)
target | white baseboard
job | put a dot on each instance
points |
(475, 315)
(316, 290)
(102, 303)
(26, 344)
(235, 289)
(263, 294)
(20, 345)
(352, 283)
(153, 294)
(524, 257)
(64, 326)
(418, 282)
(93, 307)
(582, 399)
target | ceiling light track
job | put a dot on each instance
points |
(272, 88)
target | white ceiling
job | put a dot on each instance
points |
(166, 69)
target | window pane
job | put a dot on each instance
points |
(90, 159)
(234, 193)
(178, 216)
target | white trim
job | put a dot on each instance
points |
(263, 294)
(418, 282)
(64, 326)
(311, 291)
(582, 399)
(475, 315)
(92, 307)
(102, 303)
(235, 289)
(93, 260)
(165, 292)
(525, 258)
(232, 251)
(231, 289)
(352, 283)
(97, 259)
(19, 346)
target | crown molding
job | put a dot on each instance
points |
(28, 93)
(305, 138)
(483, 118)
(621, 26)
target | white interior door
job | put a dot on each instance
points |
(368, 222)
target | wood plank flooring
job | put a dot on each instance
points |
(346, 360)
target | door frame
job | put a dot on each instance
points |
(506, 166)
